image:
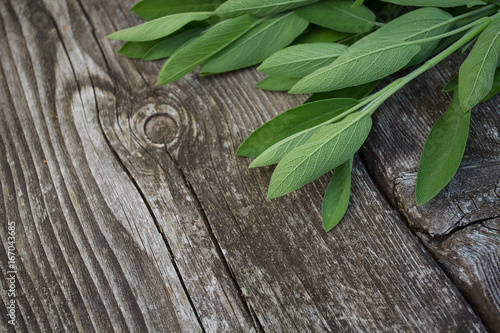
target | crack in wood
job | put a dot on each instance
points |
(203, 214)
(285, 273)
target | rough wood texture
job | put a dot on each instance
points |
(392, 153)
(73, 87)
(133, 213)
(394, 146)
(471, 256)
(89, 254)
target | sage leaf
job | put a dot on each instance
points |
(496, 86)
(168, 46)
(451, 85)
(259, 8)
(464, 48)
(158, 28)
(152, 9)
(301, 60)
(354, 38)
(276, 152)
(328, 148)
(346, 18)
(430, 3)
(417, 25)
(321, 35)
(443, 151)
(474, 3)
(476, 74)
(357, 92)
(291, 122)
(432, 22)
(381, 53)
(358, 65)
(336, 199)
(137, 50)
(257, 44)
(276, 83)
(215, 39)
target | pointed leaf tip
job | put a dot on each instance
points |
(443, 152)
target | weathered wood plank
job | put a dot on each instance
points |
(392, 153)
(85, 220)
(368, 274)
(394, 146)
(71, 74)
(281, 257)
(470, 257)
(90, 257)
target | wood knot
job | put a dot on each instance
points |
(160, 128)
(156, 124)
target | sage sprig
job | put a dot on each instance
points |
(341, 61)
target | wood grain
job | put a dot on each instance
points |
(134, 214)
(392, 154)
(394, 146)
(96, 255)
(176, 211)
(368, 274)
(470, 257)
(274, 251)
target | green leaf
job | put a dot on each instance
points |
(336, 199)
(443, 151)
(321, 35)
(276, 152)
(381, 53)
(202, 48)
(158, 28)
(347, 18)
(358, 65)
(168, 46)
(464, 48)
(257, 44)
(328, 148)
(291, 122)
(496, 86)
(152, 9)
(353, 38)
(276, 83)
(451, 85)
(357, 92)
(301, 60)
(417, 25)
(430, 3)
(137, 49)
(259, 8)
(474, 3)
(477, 72)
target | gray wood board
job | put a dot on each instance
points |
(116, 187)
(392, 153)
(394, 146)
(95, 251)
(275, 251)
(470, 257)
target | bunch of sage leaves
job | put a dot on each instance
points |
(338, 50)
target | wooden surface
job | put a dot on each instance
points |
(132, 212)
(465, 206)
(397, 139)
(470, 257)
